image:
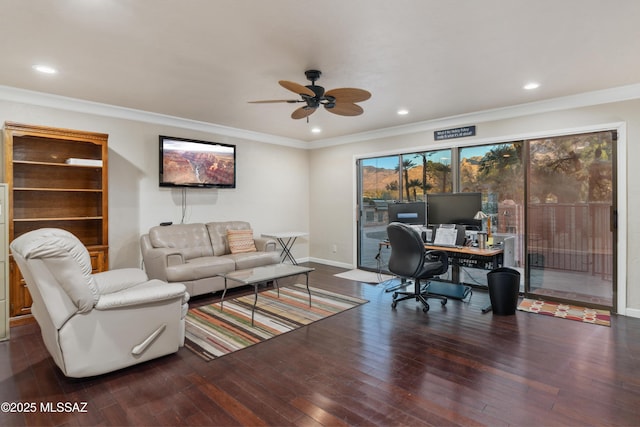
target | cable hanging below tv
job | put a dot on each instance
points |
(197, 164)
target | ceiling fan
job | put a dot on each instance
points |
(340, 101)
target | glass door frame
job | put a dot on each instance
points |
(620, 178)
(617, 149)
(361, 209)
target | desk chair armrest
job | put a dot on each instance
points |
(435, 255)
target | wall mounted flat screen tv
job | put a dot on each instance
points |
(193, 163)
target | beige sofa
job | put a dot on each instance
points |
(195, 254)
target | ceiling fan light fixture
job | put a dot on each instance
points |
(318, 90)
(341, 101)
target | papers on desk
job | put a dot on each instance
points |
(446, 237)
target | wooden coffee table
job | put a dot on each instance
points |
(256, 276)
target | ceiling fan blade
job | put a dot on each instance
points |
(296, 88)
(269, 101)
(302, 112)
(348, 94)
(346, 109)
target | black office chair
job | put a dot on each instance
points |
(410, 260)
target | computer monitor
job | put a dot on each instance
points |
(454, 208)
(413, 213)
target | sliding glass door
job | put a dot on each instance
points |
(379, 184)
(551, 205)
(399, 178)
(497, 171)
(570, 218)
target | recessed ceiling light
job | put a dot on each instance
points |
(531, 86)
(403, 112)
(45, 69)
(316, 130)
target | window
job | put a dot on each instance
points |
(426, 172)
(497, 172)
(564, 186)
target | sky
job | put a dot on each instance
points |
(443, 156)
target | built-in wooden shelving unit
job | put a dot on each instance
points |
(56, 178)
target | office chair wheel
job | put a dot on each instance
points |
(425, 308)
(394, 304)
(443, 302)
(395, 295)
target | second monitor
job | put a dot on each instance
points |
(413, 213)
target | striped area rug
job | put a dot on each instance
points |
(212, 332)
(565, 311)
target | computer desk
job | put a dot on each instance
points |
(461, 256)
(466, 256)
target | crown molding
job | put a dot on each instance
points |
(586, 99)
(42, 99)
(616, 94)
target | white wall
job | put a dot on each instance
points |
(282, 187)
(333, 179)
(271, 191)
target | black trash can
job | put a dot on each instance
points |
(504, 285)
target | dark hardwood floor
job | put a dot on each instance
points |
(371, 365)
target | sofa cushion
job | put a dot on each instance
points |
(254, 259)
(199, 268)
(191, 240)
(218, 234)
(241, 241)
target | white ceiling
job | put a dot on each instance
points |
(205, 59)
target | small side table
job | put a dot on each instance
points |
(286, 239)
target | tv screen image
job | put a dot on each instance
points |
(194, 163)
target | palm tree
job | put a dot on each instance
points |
(406, 165)
(425, 162)
(413, 184)
(445, 170)
(501, 166)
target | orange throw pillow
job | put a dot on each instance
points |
(241, 241)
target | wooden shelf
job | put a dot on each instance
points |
(45, 191)
(66, 165)
(85, 190)
(73, 218)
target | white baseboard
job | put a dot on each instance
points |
(323, 261)
(632, 312)
(330, 262)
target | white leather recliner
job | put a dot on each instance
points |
(97, 323)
